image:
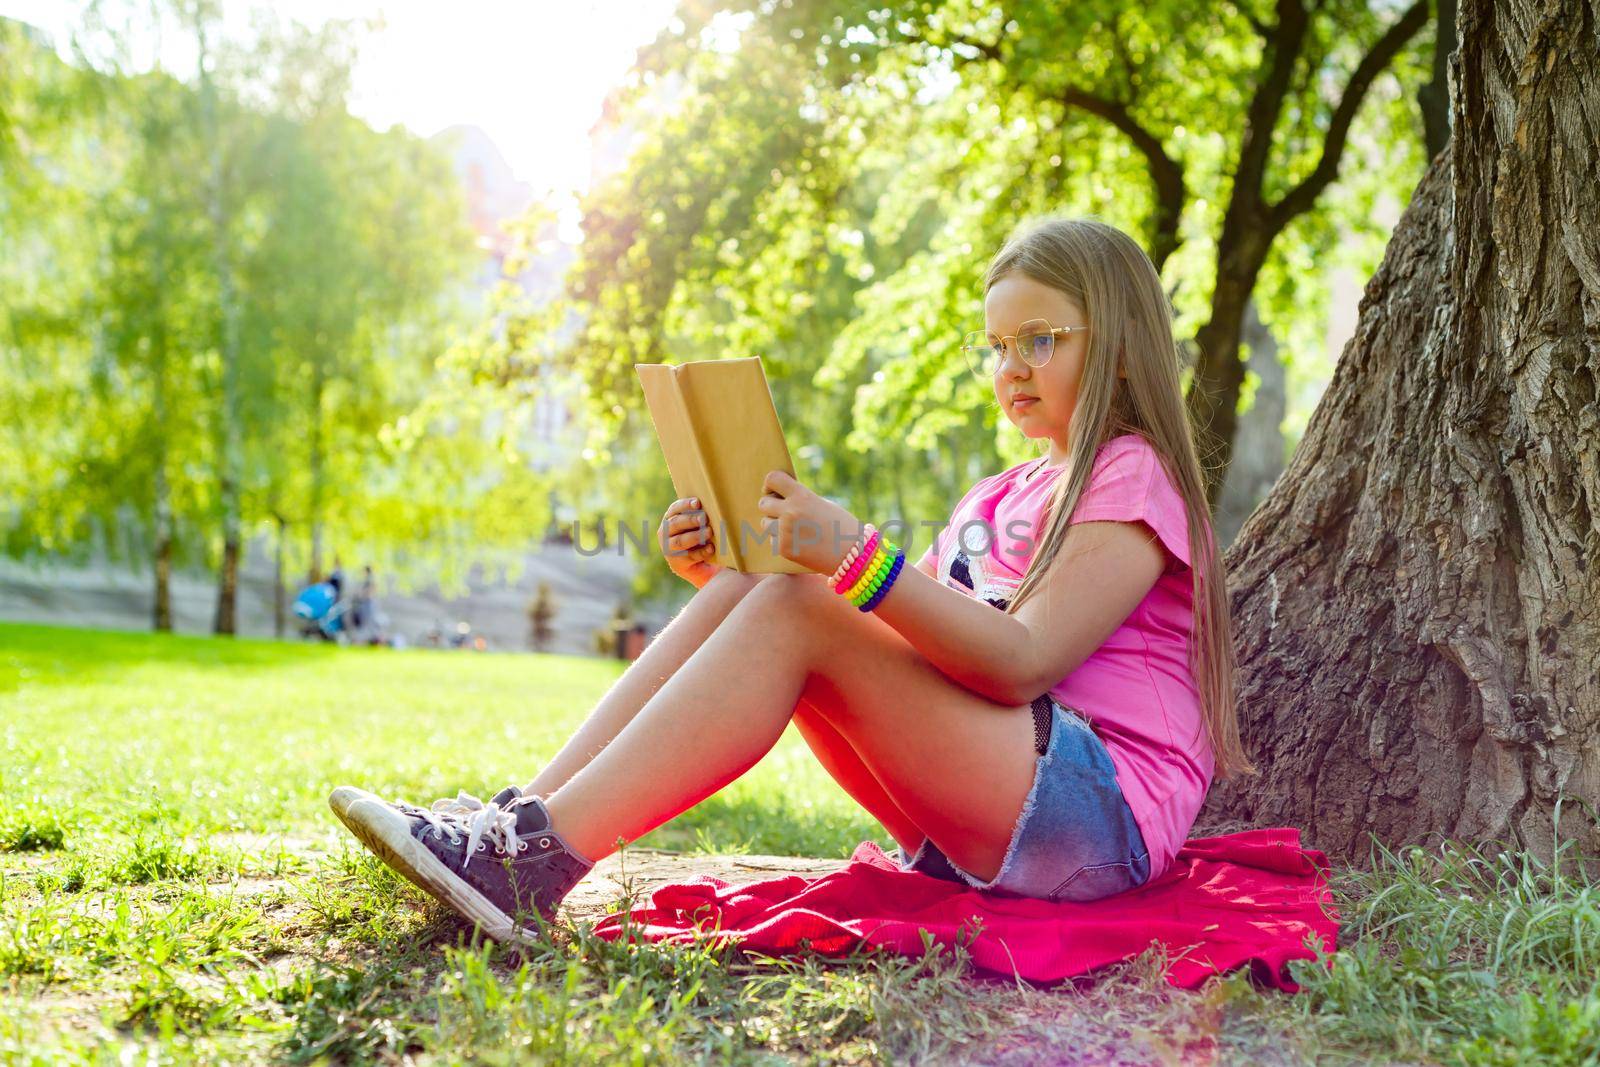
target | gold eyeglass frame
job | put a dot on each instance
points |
(969, 348)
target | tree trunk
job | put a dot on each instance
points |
(280, 614)
(315, 466)
(163, 556)
(230, 444)
(1259, 446)
(1417, 603)
(1434, 98)
(1252, 221)
(161, 490)
(1213, 399)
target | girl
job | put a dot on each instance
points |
(1058, 747)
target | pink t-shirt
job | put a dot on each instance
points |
(1137, 688)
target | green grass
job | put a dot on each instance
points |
(173, 888)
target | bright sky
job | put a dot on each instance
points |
(532, 74)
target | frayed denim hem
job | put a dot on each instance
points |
(1040, 766)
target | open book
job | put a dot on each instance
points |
(720, 433)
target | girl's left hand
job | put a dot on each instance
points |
(811, 530)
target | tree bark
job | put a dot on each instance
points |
(1417, 603)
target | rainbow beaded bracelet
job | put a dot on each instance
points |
(850, 557)
(873, 574)
(863, 560)
(883, 590)
(868, 569)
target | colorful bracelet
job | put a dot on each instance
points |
(850, 556)
(876, 576)
(869, 570)
(869, 593)
(883, 590)
(868, 584)
(861, 562)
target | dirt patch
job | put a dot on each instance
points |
(645, 870)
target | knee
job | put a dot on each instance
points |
(729, 579)
(789, 593)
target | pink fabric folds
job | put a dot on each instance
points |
(1245, 899)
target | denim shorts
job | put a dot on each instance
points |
(1076, 839)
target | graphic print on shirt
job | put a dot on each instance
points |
(992, 590)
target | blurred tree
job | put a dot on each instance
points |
(224, 209)
(254, 351)
(153, 296)
(541, 616)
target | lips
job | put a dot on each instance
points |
(1019, 402)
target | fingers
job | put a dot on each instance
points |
(686, 529)
(690, 538)
(780, 482)
(687, 520)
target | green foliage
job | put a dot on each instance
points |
(22, 830)
(824, 184)
(1464, 955)
(235, 282)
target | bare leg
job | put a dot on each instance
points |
(957, 764)
(677, 641)
(841, 760)
(687, 631)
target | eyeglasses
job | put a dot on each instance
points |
(1035, 339)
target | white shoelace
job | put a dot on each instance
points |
(480, 821)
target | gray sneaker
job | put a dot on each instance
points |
(493, 862)
(342, 799)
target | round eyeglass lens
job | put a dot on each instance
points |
(982, 350)
(1036, 342)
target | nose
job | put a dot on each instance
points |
(1012, 365)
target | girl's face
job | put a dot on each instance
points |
(1039, 400)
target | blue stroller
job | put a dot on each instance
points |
(319, 605)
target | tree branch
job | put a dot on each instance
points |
(1262, 116)
(1165, 172)
(1300, 199)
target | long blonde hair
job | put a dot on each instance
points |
(1106, 273)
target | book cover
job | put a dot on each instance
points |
(720, 434)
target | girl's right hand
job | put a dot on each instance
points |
(686, 544)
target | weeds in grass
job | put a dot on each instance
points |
(1463, 954)
(115, 921)
(30, 831)
(349, 1013)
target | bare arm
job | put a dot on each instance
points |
(1102, 572)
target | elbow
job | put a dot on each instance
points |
(1020, 687)
(1022, 680)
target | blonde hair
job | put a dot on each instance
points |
(1105, 272)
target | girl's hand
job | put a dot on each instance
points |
(686, 544)
(811, 530)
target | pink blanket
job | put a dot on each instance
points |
(1248, 898)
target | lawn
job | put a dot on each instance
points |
(173, 888)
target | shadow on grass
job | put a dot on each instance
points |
(768, 825)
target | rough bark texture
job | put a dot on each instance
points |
(1417, 603)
